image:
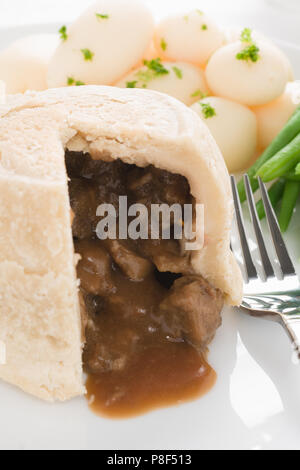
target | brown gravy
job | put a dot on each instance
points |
(169, 374)
(147, 328)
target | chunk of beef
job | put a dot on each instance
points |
(151, 185)
(94, 268)
(166, 255)
(138, 179)
(174, 188)
(133, 266)
(84, 203)
(192, 310)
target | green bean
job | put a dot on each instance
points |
(297, 170)
(282, 162)
(275, 194)
(292, 176)
(288, 133)
(289, 200)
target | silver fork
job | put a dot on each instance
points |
(269, 295)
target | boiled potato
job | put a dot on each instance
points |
(234, 128)
(272, 117)
(234, 34)
(250, 82)
(24, 64)
(183, 81)
(106, 41)
(189, 37)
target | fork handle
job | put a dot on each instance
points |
(292, 326)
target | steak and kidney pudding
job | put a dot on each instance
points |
(148, 318)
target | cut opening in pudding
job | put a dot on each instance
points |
(148, 318)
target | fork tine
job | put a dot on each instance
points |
(285, 261)
(266, 263)
(249, 265)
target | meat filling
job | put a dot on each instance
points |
(135, 294)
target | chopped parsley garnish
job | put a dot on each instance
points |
(199, 93)
(131, 84)
(156, 66)
(63, 33)
(204, 27)
(200, 12)
(178, 72)
(87, 54)
(207, 110)
(163, 44)
(153, 69)
(100, 16)
(246, 35)
(249, 53)
(72, 81)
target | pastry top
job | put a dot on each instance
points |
(138, 126)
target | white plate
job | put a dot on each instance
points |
(254, 405)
